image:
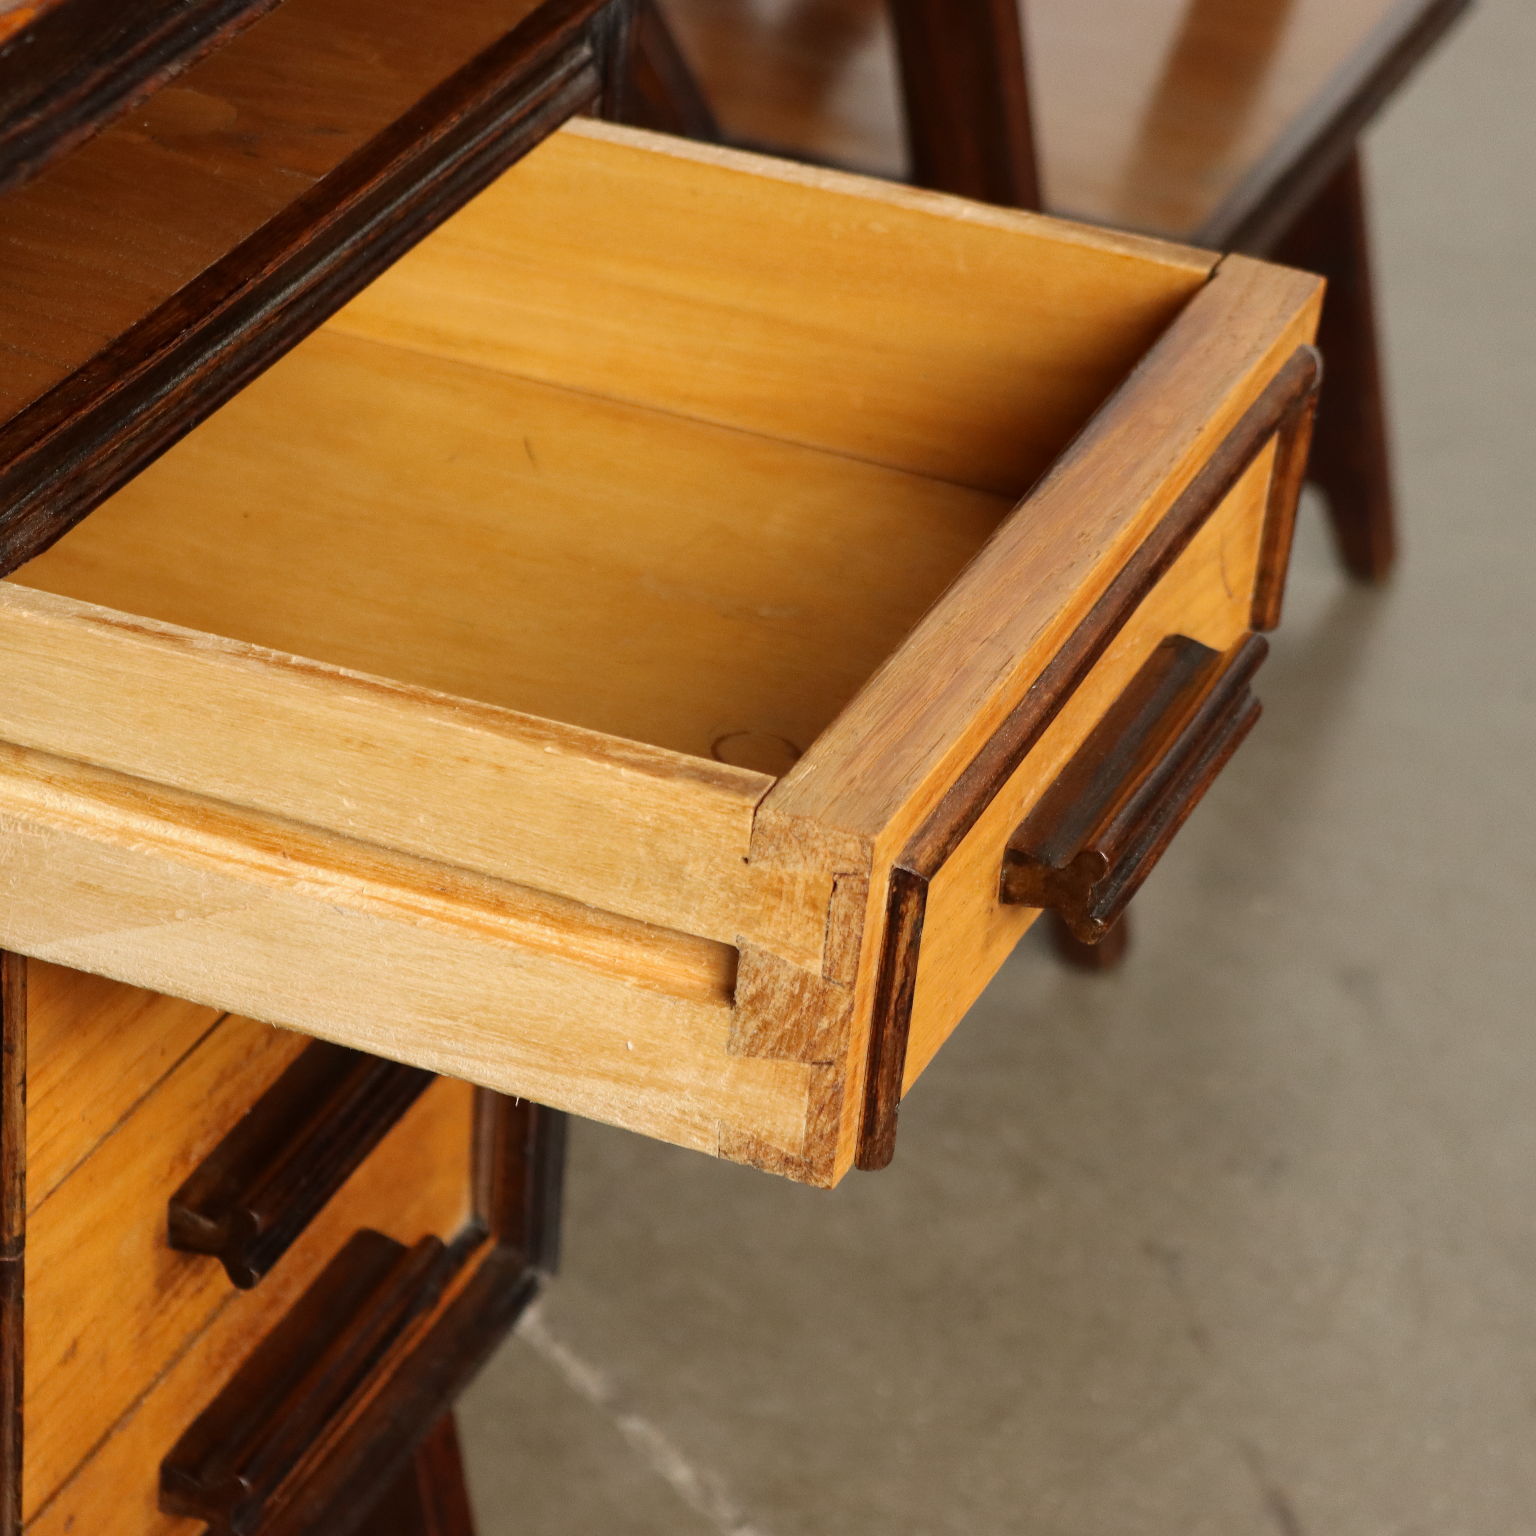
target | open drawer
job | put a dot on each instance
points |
(612, 661)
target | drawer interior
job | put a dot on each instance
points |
(652, 440)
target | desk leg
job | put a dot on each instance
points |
(428, 1498)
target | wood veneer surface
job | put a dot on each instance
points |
(1149, 113)
(112, 231)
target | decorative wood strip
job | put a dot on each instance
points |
(1008, 746)
(13, 1219)
(1292, 452)
(1095, 835)
(270, 1422)
(74, 64)
(93, 432)
(291, 1152)
(519, 1174)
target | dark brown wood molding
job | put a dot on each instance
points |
(279, 1167)
(85, 438)
(1278, 189)
(1293, 449)
(965, 89)
(1003, 752)
(1092, 839)
(520, 1172)
(246, 1452)
(13, 1222)
(74, 65)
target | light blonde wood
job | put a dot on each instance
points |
(967, 933)
(148, 1379)
(956, 341)
(380, 954)
(1149, 113)
(797, 390)
(96, 1048)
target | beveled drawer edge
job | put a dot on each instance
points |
(87, 437)
(1283, 411)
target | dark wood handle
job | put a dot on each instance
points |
(1098, 831)
(276, 1170)
(246, 1456)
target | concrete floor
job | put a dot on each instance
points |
(1242, 1240)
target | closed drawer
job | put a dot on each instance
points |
(562, 669)
(111, 1310)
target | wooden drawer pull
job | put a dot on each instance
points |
(275, 1171)
(1097, 832)
(246, 1455)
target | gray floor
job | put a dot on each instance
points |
(1240, 1241)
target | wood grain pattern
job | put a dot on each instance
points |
(69, 66)
(264, 212)
(93, 1449)
(406, 961)
(99, 1049)
(1164, 115)
(520, 930)
(789, 311)
(287, 1157)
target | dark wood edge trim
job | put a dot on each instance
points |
(86, 438)
(1293, 448)
(906, 910)
(1267, 201)
(1002, 753)
(51, 111)
(1094, 837)
(439, 1365)
(519, 1172)
(253, 1196)
(13, 1220)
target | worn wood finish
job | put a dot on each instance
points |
(250, 215)
(69, 66)
(429, 1497)
(287, 1156)
(1092, 839)
(790, 460)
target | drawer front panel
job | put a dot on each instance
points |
(1210, 567)
(110, 1306)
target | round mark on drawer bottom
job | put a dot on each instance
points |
(761, 751)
